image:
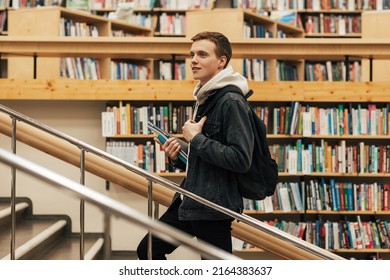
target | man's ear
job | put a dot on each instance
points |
(222, 61)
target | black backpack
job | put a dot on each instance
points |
(261, 179)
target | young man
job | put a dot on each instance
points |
(220, 145)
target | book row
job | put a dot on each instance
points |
(112, 4)
(306, 170)
(332, 71)
(256, 31)
(347, 196)
(71, 28)
(349, 234)
(150, 4)
(253, 70)
(342, 119)
(322, 195)
(257, 70)
(314, 5)
(288, 196)
(126, 119)
(332, 24)
(80, 68)
(325, 157)
(149, 157)
(186, 4)
(172, 24)
(292, 119)
(129, 71)
(172, 71)
(316, 194)
(3, 19)
(344, 234)
(286, 71)
(16, 4)
(139, 19)
(139, 71)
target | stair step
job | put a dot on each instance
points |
(5, 212)
(5, 209)
(124, 255)
(32, 235)
(43, 237)
(68, 248)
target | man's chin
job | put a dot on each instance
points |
(195, 77)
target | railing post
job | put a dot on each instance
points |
(150, 210)
(156, 209)
(107, 241)
(13, 191)
(82, 203)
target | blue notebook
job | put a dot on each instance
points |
(163, 136)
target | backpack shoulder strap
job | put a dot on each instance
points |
(218, 95)
(249, 94)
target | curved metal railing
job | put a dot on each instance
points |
(113, 207)
(84, 147)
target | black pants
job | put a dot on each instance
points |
(215, 232)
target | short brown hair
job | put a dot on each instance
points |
(223, 46)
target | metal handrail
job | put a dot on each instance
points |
(171, 185)
(113, 207)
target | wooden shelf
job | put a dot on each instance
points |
(360, 250)
(62, 22)
(253, 212)
(155, 47)
(163, 90)
(330, 11)
(334, 174)
(332, 35)
(283, 136)
(347, 212)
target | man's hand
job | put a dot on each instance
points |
(171, 147)
(191, 128)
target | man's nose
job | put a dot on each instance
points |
(194, 59)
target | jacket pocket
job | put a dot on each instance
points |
(211, 129)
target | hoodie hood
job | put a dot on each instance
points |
(225, 77)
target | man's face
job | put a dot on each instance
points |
(204, 62)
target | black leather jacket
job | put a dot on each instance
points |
(223, 148)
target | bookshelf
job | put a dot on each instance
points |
(310, 216)
(319, 19)
(239, 23)
(374, 25)
(64, 22)
(164, 18)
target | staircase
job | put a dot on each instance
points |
(46, 237)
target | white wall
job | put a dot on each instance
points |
(80, 119)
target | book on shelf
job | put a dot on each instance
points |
(81, 5)
(108, 124)
(286, 16)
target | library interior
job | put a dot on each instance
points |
(81, 79)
